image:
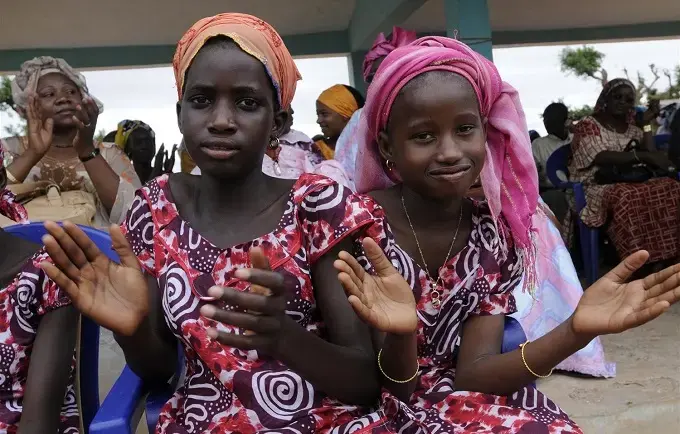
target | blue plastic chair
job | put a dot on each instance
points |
(662, 141)
(119, 413)
(590, 237)
(89, 330)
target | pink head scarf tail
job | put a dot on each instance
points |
(382, 47)
(509, 176)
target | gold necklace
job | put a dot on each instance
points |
(435, 294)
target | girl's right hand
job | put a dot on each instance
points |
(40, 131)
(384, 301)
(113, 295)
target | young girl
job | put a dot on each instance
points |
(37, 342)
(438, 115)
(265, 351)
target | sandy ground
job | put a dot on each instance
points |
(643, 398)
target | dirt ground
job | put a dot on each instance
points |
(644, 397)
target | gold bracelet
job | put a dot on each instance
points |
(11, 177)
(392, 379)
(526, 365)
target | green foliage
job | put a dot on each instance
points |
(578, 113)
(584, 62)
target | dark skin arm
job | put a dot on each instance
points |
(400, 356)
(480, 367)
(151, 352)
(343, 366)
(48, 372)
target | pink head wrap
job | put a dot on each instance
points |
(382, 47)
(9, 207)
(509, 176)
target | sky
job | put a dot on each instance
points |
(149, 94)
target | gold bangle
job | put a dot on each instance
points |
(11, 177)
(392, 379)
(526, 365)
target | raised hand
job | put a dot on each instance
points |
(169, 164)
(384, 301)
(260, 312)
(40, 131)
(85, 119)
(611, 305)
(113, 295)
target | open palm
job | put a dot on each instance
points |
(40, 131)
(384, 301)
(611, 305)
(114, 295)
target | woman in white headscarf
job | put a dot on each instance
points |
(59, 148)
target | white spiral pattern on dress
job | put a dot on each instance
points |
(282, 394)
(25, 294)
(328, 198)
(178, 300)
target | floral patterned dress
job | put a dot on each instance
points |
(24, 301)
(479, 280)
(226, 389)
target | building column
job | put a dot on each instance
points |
(355, 63)
(468, 21)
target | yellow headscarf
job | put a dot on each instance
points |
(339, 99)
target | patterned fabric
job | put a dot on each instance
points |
(23, 303)
(252, 35)
(557, 294)
(9, 207)
(226, 389)
(347, 146)
(641, 215)
(71, 175)
(509, 174)
(477, 281)
(382, 47)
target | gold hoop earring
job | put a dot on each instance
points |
(389, 164)
(274, 142)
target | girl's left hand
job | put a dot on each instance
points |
(262, 310)
(611, 305)
(85, 118)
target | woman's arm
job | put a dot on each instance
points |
(22, 164)
(49, 371)
(399, 361)
(480, 367)
(616, 158)
(151, 352)
(344, 366)
(104, 179)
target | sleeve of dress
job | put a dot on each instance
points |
(51, 296)
(128, 184)
(496, 288)
(587, 143)
(329, 213)
(139, 229)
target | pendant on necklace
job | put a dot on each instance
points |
(436, 296)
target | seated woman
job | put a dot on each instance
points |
(62, 119)
(438, 115)
(263, 350)
(334, 108)
(637, 216)
(37, 369)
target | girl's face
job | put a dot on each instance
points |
(228, 113)
(330, 122)
(58, 97)
(435, 135)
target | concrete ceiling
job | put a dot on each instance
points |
(79, 23)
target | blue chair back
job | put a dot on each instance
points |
(556, 167)
(89, 330)
(661, 141)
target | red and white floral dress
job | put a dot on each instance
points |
(226, 389)
(479, 280)
(22, 304)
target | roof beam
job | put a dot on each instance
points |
(371, 17)
(314, 44)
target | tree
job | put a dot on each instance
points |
(7, 106)
(584, 62)
(578, 113)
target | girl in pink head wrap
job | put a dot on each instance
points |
(437, 116)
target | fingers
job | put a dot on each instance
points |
(60, 258)
(644, 316)
(353, 290)
(249, 301)
(123, 248)
(361, 310)
(622, 272)
(49, 125)
(31, 111)
(258, 259)
(91, 108)
(343, 267)
(662, 276)
(255, 323)
(57, 235)
(382, 265)
(83, 241)
(243, 342)
(62, 280)
(81, 117)
(354, 265)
